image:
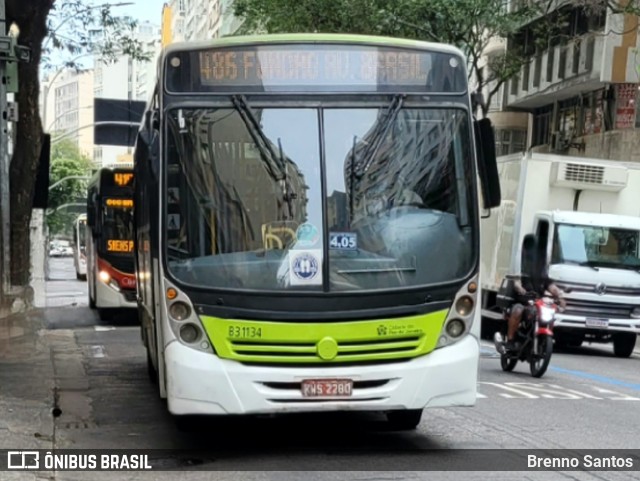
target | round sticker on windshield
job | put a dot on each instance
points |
(305, 266)
(307, 235)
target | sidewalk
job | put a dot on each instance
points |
(26, 383)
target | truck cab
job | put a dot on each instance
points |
(596, 258)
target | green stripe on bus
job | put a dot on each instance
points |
(324, 342)
(305, 37)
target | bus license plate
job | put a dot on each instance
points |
(597, 323)
(328, 388)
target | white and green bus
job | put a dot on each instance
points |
(307, 227)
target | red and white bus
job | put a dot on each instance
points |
(109, 242)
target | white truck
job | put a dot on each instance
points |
(586, 214)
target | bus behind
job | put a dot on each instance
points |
(110, 265)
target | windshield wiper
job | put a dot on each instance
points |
(275, 164)
(581, 263)
(590, 264)
(377, 136)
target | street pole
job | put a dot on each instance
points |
(5, 243)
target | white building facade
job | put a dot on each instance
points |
(66, 107)
(126, 79)
(193, 20)
(580, 93)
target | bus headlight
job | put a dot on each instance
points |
(455, 328)
(183, 319)
(464, 306)
(179, 311)
(104, 276)
(190, 333)
(461, 315)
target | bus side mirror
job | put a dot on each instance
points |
(487, 163)
(147, 151)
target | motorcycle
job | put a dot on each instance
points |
(534, 336)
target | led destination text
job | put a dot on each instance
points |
(321, 67)
(119, 203)
(119, 245)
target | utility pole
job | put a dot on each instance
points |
(10, 54)
(5, 242)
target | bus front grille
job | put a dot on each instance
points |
(379, 349)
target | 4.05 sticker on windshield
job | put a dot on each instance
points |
(343, 241)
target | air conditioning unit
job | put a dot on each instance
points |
(588, 176)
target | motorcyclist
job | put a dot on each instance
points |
(523, 287)
(534, 279)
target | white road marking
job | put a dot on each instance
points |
(104, 328)
(97, 351)
(528, 390)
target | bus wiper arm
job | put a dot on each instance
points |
(262, 142)
(378, 135)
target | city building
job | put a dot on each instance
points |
(66, 106)
(191, 20)
(127, 79)
(580, 92)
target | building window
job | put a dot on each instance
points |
(542, 126)
(510, 141)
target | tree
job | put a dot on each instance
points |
(468, 24)
(66, 161)
(70, 29)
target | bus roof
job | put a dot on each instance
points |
(311, 38)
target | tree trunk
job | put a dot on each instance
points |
(26, 155)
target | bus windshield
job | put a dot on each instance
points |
(117, 229)
(333, 199)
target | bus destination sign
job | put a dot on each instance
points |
(122, 179)
(309, 67)
(117, 245)
(119, 203)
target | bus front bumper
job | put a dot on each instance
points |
(201, 383)
(107, 297)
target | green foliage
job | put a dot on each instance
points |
(66, 160)
(468, 24)
(79, 28)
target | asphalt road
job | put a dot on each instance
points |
(588, 399)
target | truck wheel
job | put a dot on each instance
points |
(623, 343)
(404, 420)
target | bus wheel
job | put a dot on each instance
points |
(105, 314)
(151, 371)
(186, 423)
(404, 420)
(92, 301)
